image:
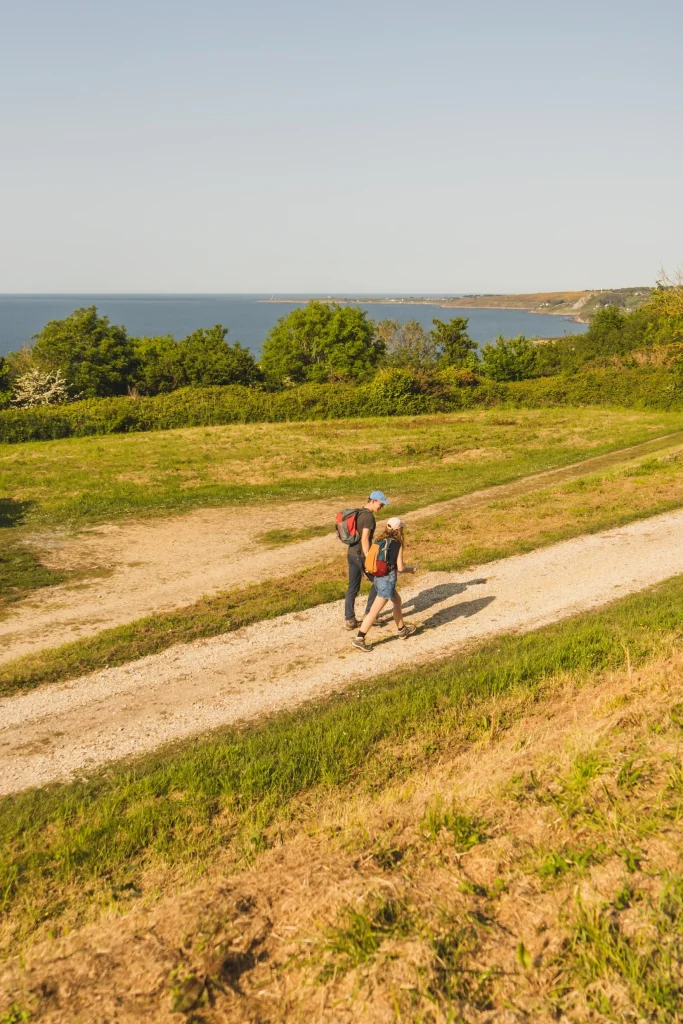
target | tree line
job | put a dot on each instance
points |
(85, 356)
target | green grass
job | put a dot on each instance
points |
(415, 459)
(360, 933)
(70, 848)
(476, 554)
(277, 538)
(603, 955)
(14, 1014)
(622, 811)
(21, 571)
(465, 831)
(422, 459)
(542, 516)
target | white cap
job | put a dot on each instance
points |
(395, 523)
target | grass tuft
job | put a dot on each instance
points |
(464, 830)
(15, 1014)
(360, 934)
(278, 538)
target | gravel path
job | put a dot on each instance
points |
(60, 731)
(159, 565)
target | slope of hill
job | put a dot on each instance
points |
(580, 305)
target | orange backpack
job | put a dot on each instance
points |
(377, 559)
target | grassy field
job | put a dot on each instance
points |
(541, 517)
(502, 829)
(417, 460)
(21, 572)
(75, 482)
(447, 542)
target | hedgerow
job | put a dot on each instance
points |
(392, 392)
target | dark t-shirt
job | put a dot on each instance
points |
(364, 520)
(393, 548)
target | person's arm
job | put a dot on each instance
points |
(365, 540)
(400, 564)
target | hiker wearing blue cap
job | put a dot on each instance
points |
(359, 542)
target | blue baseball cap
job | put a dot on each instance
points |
(379, 496)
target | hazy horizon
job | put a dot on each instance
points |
(309, 294)
(223, 148)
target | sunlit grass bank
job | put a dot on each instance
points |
(68, 850)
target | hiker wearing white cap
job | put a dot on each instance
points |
(356, 528)
(383, 562)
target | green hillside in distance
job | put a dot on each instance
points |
(579, 305)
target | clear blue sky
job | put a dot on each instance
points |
(215, 146)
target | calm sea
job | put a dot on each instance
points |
(248, 317)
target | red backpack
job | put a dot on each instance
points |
(346, 523)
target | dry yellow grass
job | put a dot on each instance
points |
(540, 517)
(510, 879)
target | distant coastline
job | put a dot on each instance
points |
(576, 307)
(421, 301)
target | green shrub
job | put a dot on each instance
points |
(510, 359)
(457, 377)
(202, 359)
(615, 334)
(395, 392)
(454, 344)
(95, 357)
(4, 379)
(320, 342)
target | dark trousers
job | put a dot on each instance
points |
(356, 573)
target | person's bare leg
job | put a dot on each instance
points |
(369, 619)
(398, 610)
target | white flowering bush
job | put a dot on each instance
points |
(40, 387)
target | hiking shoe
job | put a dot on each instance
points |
(407, 631)
(352, 623)
(360, 644)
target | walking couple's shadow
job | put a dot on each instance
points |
(436, 595)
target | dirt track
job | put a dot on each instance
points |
(59, 731)
(160, 565)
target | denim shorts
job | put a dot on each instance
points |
(386, 585)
